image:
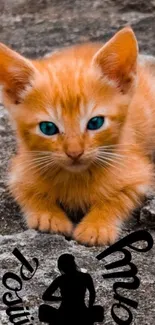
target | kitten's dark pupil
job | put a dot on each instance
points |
(94, 121)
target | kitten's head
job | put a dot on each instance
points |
(71, 107)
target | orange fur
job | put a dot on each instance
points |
(114, 170)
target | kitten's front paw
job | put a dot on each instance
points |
(96, 233)
(50, 222)
(61, 225)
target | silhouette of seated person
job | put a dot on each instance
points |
(72, 285)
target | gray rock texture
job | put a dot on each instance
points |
(34, 28)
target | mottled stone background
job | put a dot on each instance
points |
(34, 28)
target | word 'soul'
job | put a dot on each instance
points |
(134, 237)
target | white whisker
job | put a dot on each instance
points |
(98, 163)
(109, 154)
(120, 162)
(103, 161)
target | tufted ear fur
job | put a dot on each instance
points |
(16, 73)
(117, 59)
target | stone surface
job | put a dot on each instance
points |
(34, 28)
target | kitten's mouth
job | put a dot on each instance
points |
(76, 166)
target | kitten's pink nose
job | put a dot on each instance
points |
(74, 155)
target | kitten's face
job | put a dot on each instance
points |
(71, 113)
(72, 116)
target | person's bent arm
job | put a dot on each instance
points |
(48, 294)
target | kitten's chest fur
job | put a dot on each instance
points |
(75, 196)
(75, 193)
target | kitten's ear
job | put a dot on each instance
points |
(117, 59)
(16, 73)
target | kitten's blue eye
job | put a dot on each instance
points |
(95, 123)
(48, 128)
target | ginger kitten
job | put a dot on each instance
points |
(85, 127)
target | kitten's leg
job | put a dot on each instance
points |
(54, 220)
(39, 209)
(102, 224)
